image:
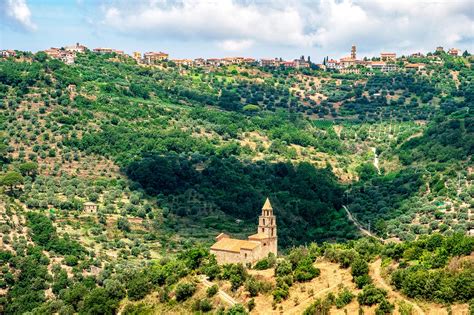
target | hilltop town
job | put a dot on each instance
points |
(386, 62)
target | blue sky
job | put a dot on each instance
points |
(254, 28)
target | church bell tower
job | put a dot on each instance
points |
(267, 229)
(267, 221)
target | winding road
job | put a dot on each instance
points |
(359, 226)
(375, 271)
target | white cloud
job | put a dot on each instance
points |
(328, 25)
(17, 13)
(235, 45)
(222, 20)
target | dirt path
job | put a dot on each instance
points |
(299, 309)
(376, 160)
(332, 276)
(375, 273)
(334, 279)
(224, 296)
(359, 226)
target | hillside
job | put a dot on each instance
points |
(173, 155)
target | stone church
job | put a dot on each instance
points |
(229, 250)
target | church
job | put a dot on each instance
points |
(229, 250)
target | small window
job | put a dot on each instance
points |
(263, 230)
(264, 244)
(245, 255)
(263, 221)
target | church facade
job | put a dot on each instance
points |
(229, 250)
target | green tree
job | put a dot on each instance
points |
(98, 302)
(123, 224)
(11, 179)
(184, 291)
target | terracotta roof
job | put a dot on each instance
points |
(221, 236)
(267, 205)
(258, 236)
(233, 245)
(347, 59)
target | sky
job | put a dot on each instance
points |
(249, 28)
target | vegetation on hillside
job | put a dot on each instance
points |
(174, 155)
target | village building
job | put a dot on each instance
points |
(388, 56)
(182, 62)
(332, 64)
(301, 63)
(288, 64)
(440, 49)
(90, 207)
(214, 62)
(71, 88)
(347, 62)
(78, 48)
(199, 62)
(321, 66)
(7, 53)
(248, 60)
(415, 66)
(269, 62)
(153, 57)
(417, 55)
(232, 60)
(65, 56)
(103, 50)
(108, 51)
(454, 52)
(137, 56)
(382, 66)
(258, 246)
(53, 52)
(350, 71)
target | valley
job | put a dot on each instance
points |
(116, 177)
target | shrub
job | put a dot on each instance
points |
(362, 281)
(384, 308)
(318, 307)
(253, 286)
(280, 294)
(123, 224)
(283, 268)
(359, 267)
(71, 260)
(138, 287)
(306, 271)
(371, 295)
(203, 305)
(237, 309)
(404, 308)
(184, 291)
(251, 304)
(344, 298)
(211, 291)
(262, 264)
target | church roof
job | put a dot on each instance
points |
(234, 245)
(267, 205)
(258, 236)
